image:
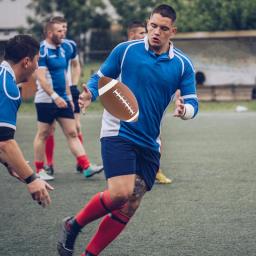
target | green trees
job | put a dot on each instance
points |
(192, 15)
(207, 15)
(80, 14)
(196, 15)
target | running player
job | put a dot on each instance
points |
(154, 70)
(137, 30)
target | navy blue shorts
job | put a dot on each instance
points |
(123, 157)
(75, 95)
(48, 112)
(6, 133)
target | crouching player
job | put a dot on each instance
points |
(20, 61)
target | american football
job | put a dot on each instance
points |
(118, 99)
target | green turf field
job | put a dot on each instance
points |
(209, 210)
(29, 107)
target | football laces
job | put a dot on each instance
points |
(124, 101)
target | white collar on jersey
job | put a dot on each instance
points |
(171, 53)
(8, 67)
(49, 46)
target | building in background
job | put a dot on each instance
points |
(224, 61)
(227, 57)
(13, 15)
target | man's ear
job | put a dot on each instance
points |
(174, 30)
(130, 35)
(25, 62)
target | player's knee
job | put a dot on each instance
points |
(121, 196)
(130, 207)
(43, 135)
(72, 134)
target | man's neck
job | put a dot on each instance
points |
(49, 41)
(159, 51)
(16, 70)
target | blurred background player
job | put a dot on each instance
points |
(53, 99)
(131, 150)
(20, 61)
(137, 30)
(73, 76)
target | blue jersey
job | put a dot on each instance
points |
(55, 60)
(74, 56)
(154, 80)
(9, 96)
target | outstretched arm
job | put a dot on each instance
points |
(12, 157)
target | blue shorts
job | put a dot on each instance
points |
(123, 157)
(48, 112)
(6, 133)
(75, 95)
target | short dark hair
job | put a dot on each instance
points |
(135, 24)
(165, 11)
(19, 47)
(58, 19)
(53, 20)
(50, 23)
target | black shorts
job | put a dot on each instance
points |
(75, 95)
(6, 133)
(48, 112)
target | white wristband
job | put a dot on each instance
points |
(54, 95)
(189, 112)
(69, 97)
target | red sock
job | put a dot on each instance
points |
(49, 150)
(110, 227)
(83, 161)
(80, 137)
(99, 205)
(39, 166)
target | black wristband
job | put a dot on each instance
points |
(31, 178)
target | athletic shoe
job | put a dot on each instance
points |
(67, 238)
(92, 170)
(49, 169)
(161, 178)
(44, 176)
(79, 168)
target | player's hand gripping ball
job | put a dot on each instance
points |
(118, 99)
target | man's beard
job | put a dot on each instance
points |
(56, 40)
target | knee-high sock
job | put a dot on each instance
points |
(49, 149)
(99, 205)
(110, 227)
(39, 166)
(83, 161)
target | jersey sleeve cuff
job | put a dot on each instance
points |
(189, 112)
